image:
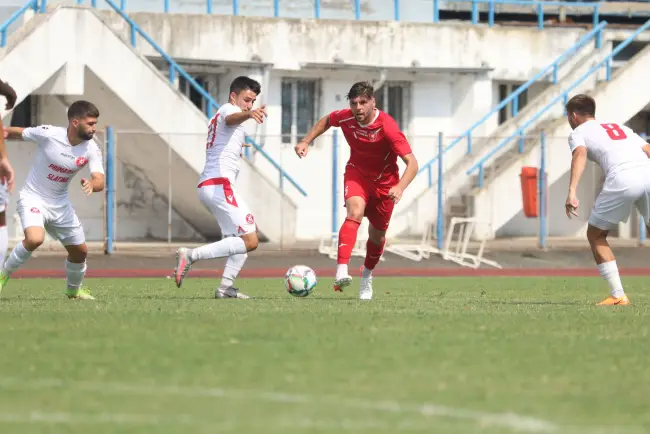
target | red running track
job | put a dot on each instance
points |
(329, 272)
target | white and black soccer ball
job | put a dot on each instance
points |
(300, 280)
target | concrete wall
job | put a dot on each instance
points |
(287, 43)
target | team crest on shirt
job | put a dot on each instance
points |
(35, 210)
(250, 219)
(81, 161)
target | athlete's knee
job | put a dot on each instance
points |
(595, 234)
(355, 207)
(77, 254)
(375, 235)
(34, 237)
(3, 219)
(251, 241)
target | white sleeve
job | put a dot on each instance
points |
(95, 159)
(576, 140)
(37, 134)
(228, 109)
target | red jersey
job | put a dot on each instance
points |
(373, 148)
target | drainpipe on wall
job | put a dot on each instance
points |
(382, 79)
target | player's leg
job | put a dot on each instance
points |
(379, 212)
(610, 208)
(240, 237)
(356, 197)
(32, 220)
(66, 227)
(4, 236)
(75, 271)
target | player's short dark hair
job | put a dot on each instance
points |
(362, 88)
(242, 83)
(582, 105)
(82, 109)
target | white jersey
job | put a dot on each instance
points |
(224, 146)
(613, 146)
(56, 162)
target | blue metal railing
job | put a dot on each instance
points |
(31, 4)
(475, 8)
(552, 68)
(539, 7)
(606, 62)
(175, 69)
(110, 190)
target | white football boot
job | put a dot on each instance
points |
(365, 288)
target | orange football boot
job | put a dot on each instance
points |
(613, 301)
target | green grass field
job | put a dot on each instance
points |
(448, 355)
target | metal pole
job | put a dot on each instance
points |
(335, 173)
(542, 194)
(440, 224)
(169, 194)
(110, 189)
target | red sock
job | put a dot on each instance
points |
(373, 253)
(347, 240)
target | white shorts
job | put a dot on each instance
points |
(59, 220)
(232, 214)
(622, 190)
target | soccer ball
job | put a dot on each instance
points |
(300, 280)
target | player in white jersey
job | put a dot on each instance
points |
(624, 157)
(44, 204)
(226, 138)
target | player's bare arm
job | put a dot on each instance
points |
(6, 170)
(395, 193)
(317, 130)
(257, 114)
(95, 184)
(578, 163)
(13, 133)
(9, 93)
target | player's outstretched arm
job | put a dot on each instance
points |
(13, 133)
(238, 117)
(317, 130)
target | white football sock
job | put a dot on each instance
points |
(341, 271)
(18, 256)
(74, 274)
(365, 273)
(226, 247)
(4, 242)
(232, 268)
(609, 272)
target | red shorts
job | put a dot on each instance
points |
(379, 207)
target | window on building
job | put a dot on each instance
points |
(299, 107)
(194, 95)
(23, 114)
(393, 98)
(506, 89)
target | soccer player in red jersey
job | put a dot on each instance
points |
(372, 185)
